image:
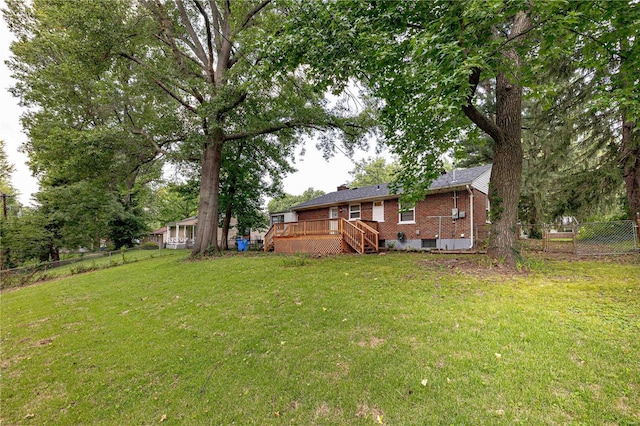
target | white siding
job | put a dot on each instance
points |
(287, 216)
(291, 217)
(481, 183)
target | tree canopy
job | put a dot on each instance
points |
(448, 72)
(6, 169)
(371, 171)
(229, 88)
(430, 62)
(284, 202)
(205, 65)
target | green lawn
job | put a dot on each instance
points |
(399, 339)
(82, 264)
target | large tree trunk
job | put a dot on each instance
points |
(506, 132)
(226, 224)
(504, 190)
(630, 162)
(207, 228)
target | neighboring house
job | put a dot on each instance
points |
(449, 217)
(282, 217)
(157, 236)
(181, 234)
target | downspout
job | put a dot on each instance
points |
(471, 212)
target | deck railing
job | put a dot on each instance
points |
(371, 223)
(354, 236)
(358, 234)
(268, 238)
(370, 234)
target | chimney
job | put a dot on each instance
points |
(343, 187)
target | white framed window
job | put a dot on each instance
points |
(488, 211)
(333, 213)
(278, 218)
(406, 215)
(354, 211)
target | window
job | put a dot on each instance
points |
(278, 218)
(406, 215)
(354, 211)
(429, 243)
(488, 211)
(333, 213)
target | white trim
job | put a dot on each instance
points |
(406, 222)
(278, 216)
(373, 210)
(331, 210)
(471, 213)
(488, 211)
(359, 211)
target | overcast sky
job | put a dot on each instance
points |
(313, 170)
(10, 129)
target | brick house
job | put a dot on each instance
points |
(449, 217)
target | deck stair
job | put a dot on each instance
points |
(325, 236)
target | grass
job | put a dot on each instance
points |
(81, 265)
(405, 338)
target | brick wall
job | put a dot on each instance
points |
(366, 212)
(314, 214)
(427, 224)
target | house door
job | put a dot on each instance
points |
(333, 224)
(378, 211)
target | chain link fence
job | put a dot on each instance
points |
(595, 238)
(606, 238)
(25, 275)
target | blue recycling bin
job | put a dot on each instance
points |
(242, 243)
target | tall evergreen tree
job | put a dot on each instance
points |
(593, 77)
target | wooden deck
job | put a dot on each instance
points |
(325, 236)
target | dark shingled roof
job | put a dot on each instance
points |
(462, 177)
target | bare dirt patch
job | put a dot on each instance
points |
(482, 267)
(485, 267)
(324, 410)
(373, 342)
(375, 413)
(44, 342)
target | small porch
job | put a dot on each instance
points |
(324, 236)
(181, 235)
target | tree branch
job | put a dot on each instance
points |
(481, 120)
(150, 139)
(264, 131)
(166, 27)
(161, 84)
(197, 46)
(184, 54)
(254, 12)
(216, 23)
(612, 52)
(210, 37)
(241, 99)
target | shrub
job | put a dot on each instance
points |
(149, 245)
